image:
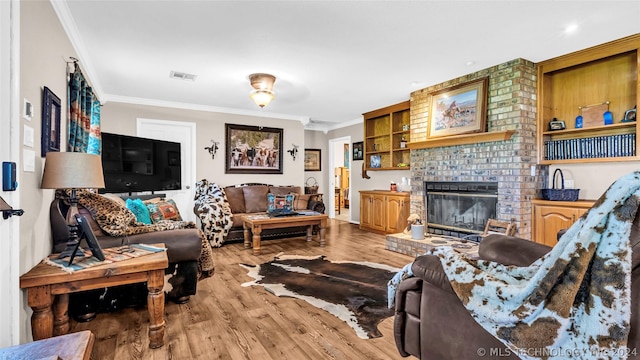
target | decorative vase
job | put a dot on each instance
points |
(608, 118)
(579, 122)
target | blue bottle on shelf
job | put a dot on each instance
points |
(608, 117)
(579, 122)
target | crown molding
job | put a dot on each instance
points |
(207, 108)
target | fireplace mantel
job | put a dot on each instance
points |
(463, 139)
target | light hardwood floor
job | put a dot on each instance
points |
(227, 321)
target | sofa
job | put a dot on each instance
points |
(189, 254)
(431, 323)
(246, 199)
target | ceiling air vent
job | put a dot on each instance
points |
(182, 76)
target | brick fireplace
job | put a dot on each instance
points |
(511, 106)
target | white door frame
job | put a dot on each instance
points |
(332, 179)
(10, 151)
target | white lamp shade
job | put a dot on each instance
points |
(72, 170)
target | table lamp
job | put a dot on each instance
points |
(72, 170)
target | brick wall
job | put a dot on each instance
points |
(511, 106)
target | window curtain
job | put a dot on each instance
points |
(84, 116)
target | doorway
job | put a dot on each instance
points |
(340, 178)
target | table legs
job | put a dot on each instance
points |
(322, 226)
(40, 300)
(61, 315)
(51, 317)
(257, 231)
(155, 305)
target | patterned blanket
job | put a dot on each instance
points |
(574, 302)
(117, 220)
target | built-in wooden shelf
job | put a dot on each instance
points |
(463, 139)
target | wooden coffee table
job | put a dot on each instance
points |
(254, 224)
(48, 288)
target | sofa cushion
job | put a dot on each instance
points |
(164, 210)
(140, 210)
(255, 198)
(284, 190)
(301, 202)
(235, 196)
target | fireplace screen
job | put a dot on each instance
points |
(460, 208)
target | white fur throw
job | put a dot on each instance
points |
(212, 208)
(574, 302)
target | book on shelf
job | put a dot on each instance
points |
(620, 145)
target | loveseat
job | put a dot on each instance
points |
(189, 254)
(251, 198)
(431, 323)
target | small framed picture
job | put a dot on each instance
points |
(375, 161)
(51, 109)
(629, 115)
(358, 151)
(312, 160)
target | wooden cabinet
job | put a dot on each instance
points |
(384, 212)
(386, 138)
(587, 83)
(549, 217)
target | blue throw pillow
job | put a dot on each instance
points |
(139, 209)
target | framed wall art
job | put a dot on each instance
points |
(253, 150)
(460, 109)
(312, 160)
(358, 153)
(51, 110)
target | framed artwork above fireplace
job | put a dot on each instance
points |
(460, 109)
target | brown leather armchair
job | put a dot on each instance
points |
(431, 322)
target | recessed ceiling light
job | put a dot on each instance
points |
(182, 76)
(469, 63)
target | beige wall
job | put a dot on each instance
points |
(318, 140)
(43, 53)
(121, 118)
(593, 179)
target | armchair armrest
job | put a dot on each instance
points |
(509, 250)
(429, 269)
(317, 206)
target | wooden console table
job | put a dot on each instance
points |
(74, 346)
(253, 225)
(48, 288)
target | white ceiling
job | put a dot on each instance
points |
(333, 60)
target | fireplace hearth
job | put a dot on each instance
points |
(459, 209)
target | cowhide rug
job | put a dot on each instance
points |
(355, 292)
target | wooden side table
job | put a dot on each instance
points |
(48, 288)
(74, 346)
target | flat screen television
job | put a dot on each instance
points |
(135, 164)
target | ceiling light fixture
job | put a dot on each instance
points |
(263, 85)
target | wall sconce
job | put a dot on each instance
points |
(263, 85)
(213, 148)
(293, 152)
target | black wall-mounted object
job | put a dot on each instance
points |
(134, 164)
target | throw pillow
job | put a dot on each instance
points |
(140, 210)
(280, 203)
(255, 198)
(235, 196)
(115, 198)
(284, 190)
(301, 201)
(164, 210)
